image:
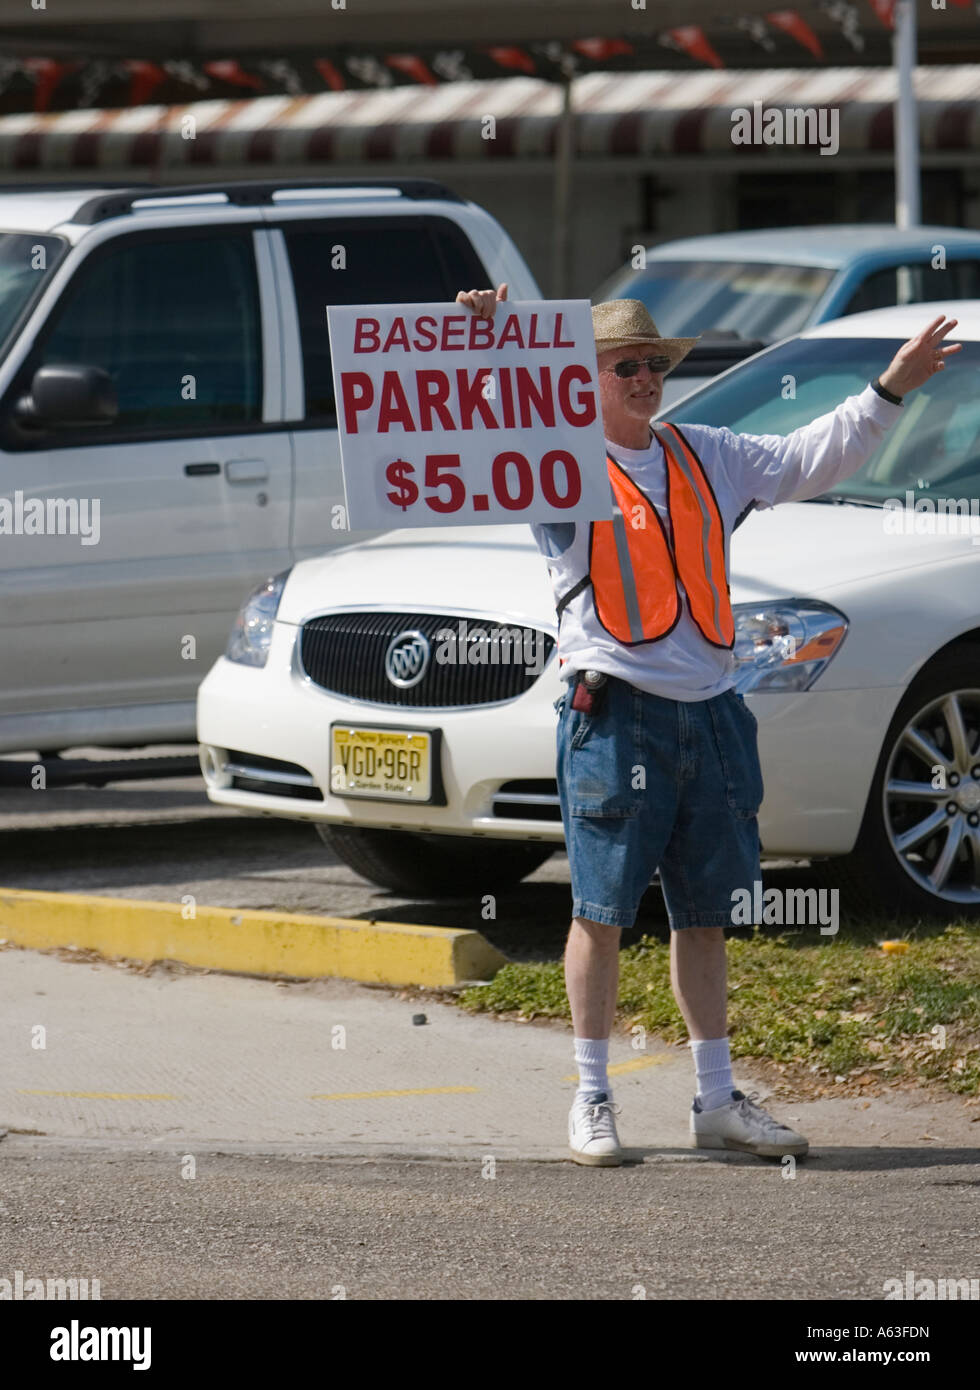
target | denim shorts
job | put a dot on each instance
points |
(650, 783)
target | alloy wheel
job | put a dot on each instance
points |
(931, 797)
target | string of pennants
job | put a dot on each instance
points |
(849, 32)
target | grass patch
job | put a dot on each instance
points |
(838, 1007)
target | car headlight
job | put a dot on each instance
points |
(784, 646)
(251, 636)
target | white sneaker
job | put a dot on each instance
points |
(592, 1137)
(744, 1125)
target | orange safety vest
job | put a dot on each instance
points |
(634, 571)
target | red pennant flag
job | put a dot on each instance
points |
(230, 70)
(797, 28)
(330, 75)
(596, 50)
(412, 67)
(144, 79)
(47, 74)
(516, 58)
(885, 10)
(691, 40)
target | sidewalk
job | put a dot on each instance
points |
(171, 1058)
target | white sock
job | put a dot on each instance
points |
(713, 1068)
(592, 1055)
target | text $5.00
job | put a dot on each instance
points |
(511, 478)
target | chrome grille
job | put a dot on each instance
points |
(345, 654)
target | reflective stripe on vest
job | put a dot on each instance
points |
(633, 569)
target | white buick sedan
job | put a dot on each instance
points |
(344, 696)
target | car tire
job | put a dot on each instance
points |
(879, 874)
(433, 866)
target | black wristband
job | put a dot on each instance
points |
(884, 392)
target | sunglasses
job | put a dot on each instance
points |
(631, 366)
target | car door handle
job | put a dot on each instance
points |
(201, 470)
(247, 471)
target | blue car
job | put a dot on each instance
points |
(745, 290)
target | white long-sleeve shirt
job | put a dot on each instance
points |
(743, 469)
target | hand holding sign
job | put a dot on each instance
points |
(460, 418)
(483, 302)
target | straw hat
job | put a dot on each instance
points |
(620, 323)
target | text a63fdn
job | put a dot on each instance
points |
(446, 418)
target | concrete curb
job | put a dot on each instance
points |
(255, 943)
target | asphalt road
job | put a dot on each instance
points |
(467, 1195)
(283, 1226)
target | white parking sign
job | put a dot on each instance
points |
(446, 418)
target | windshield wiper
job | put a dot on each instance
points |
(841, 499)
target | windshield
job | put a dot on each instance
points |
(754, 300)
(933, 449)
(27, 261)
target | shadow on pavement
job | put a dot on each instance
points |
(829, 1159)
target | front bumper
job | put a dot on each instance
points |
(818, 751)
(280, 716)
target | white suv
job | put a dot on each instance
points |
(167, 428)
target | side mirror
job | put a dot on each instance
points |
(68, 394)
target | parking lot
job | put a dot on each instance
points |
(162, 840)
(469, 445)
(314, 1166)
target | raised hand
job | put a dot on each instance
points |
(920, 358)
(483, 302)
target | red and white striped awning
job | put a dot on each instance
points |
(620, 115)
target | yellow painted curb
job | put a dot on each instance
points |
(254, 943)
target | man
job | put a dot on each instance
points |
(645, 641)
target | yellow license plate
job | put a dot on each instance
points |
(387, 764)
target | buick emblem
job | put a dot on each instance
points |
(407, 658)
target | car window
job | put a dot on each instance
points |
(916, 284)
(749, 298)
(175, 322)
(369, 261)
(26, 263)
(933, 449)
